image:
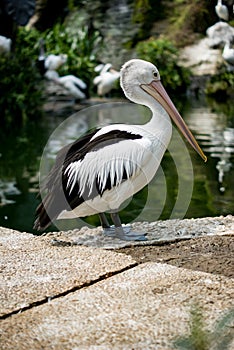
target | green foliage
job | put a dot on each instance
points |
(27, 43)
(141, 7)
(20, 88)
(164, 55)
(198, 338)
(201, 339)
(187, 20)
(221, 85)
(80, 45)
(144, 15)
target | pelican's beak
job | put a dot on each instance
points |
(156, 90)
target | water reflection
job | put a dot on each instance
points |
(8, 188)
(216, 138)
(65, 133)
(95, 116)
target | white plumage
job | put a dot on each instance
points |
(106, 80)
(54, 62)
(70, 82)
(103, 68)
(98, 172)
(228, 53)
(5, 44)
(222, 11)
(131, 156)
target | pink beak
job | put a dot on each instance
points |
(156, 90)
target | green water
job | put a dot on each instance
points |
(184, 186)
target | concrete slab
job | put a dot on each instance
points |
(32, 270)
(141, 308)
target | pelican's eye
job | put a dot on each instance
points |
(155, 74)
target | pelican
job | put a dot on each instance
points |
(71, 83)
(51, 62)
(228, 53)
(106, 79)
(5, 44)
(54, 62)
(221, 11)
(102, 169)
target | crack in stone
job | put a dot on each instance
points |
(67, 292)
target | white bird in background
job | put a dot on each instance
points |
(71, 83)
(54, 62)
(50, 62)
(103, 68)
(222, 11)
(5, 44)
(99, 67)
(107, 78)
(99, 171)
(228, 53)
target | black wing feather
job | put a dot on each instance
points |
(54, 201)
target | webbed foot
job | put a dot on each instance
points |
(118, 231)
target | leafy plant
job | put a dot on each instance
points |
(141, 7)
(20, 89)
(188, 20)
(27, 42)
(164, 55)
(21, 86)
(221, 84)
(202, 339)
(80, 45)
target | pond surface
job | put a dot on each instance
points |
(184, 186)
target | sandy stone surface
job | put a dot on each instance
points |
(213, 254)
(145, 307)
(32, 269)
(80, 290)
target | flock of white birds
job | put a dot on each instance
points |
(105, 81)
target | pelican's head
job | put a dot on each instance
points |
(133, 74)
(140, 81)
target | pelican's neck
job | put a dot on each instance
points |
(160, 123)
(159, 126)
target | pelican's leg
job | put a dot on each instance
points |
(107, 229)
(125, 233)
(103, 220)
